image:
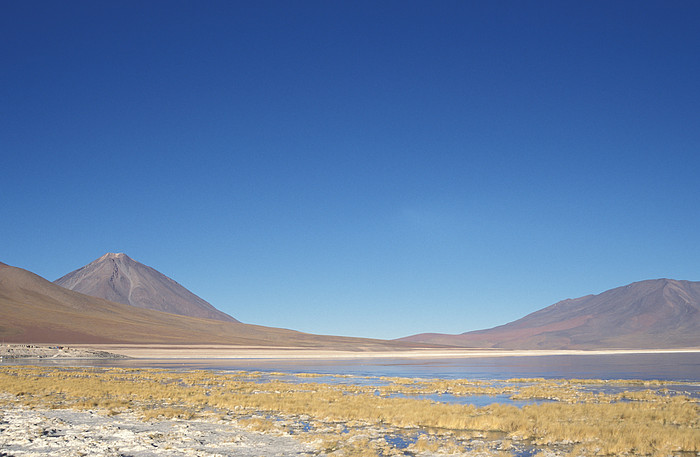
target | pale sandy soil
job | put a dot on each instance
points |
(161, 351)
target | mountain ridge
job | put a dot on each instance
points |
(119, 278)
(652, 314)
(655, 313)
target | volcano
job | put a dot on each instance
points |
(121, 279)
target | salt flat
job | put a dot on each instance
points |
(67, 432)
(177, 351)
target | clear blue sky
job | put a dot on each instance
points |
(357, 168)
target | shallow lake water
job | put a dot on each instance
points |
(665, 366)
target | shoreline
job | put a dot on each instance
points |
(164, 351)
(218, 351)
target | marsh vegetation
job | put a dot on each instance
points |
(388, 416)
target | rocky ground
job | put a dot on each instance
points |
(27, 351)
(64, 432)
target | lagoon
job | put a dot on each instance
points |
(662, 366)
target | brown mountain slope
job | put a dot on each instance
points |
(119, 278)
(34, 310)
(660, 313)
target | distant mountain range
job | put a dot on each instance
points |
(116, 299)
(119, 278)
(659, 313)
(34, 310)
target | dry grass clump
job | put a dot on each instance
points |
(456, 387)
(167, 413)
(352, 420)
(425, 443)
(259, 424)
(366, 441)
(441, 444)
(614, 429)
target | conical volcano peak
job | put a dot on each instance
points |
(114, 255)
(119, 278)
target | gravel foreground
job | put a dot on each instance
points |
(65, 432)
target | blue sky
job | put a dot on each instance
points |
(357, 168)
